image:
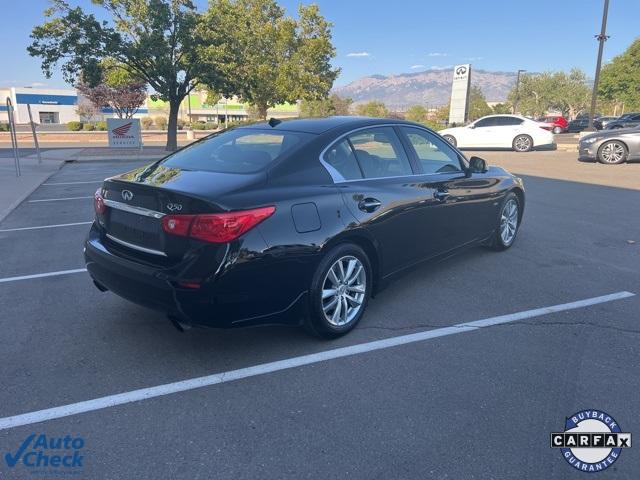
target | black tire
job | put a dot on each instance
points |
(451, 139)
(613, 152)
(497, 242)
(317, 322)
(522, 143)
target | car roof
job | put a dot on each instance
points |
(324, 124)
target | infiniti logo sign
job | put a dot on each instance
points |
(461, 70)
(127, 195)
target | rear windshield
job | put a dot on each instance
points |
(241, 150)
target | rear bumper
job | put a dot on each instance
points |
(234, 296)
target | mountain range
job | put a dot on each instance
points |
(429, 87)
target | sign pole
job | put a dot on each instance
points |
(33, 131)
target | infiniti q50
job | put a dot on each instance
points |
(293, 222)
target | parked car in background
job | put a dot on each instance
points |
(293, 221)
(607, 120)
(627, 120)
(581, 123)
(610, 146)
(554, 123)
(500, 131)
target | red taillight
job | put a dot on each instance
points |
(98, 202)
(216, 227)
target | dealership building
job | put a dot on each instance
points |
(59, 106)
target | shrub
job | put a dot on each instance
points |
(198, 125)
(161, 122)
(4, 127)
(74, 126)
(146, 122)
(101, 126)
(88, 127)
(210, 126)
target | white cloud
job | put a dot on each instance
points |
(437, 54)
(471, 59)
(413, 67)
(358, 54)
(440, 67)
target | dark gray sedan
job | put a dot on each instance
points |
(610, 146)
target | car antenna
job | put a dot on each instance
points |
(274, 122)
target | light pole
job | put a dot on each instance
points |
(601, 39)
(515, 103)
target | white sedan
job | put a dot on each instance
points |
(499, 131)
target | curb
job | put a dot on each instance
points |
(22, 197)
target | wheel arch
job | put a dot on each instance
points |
(519, 192)
(363, 240)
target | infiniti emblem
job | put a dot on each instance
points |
(127, 195)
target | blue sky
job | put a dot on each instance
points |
(380, 37)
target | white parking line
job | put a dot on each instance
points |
(44, 226)
(217, 378)
(57, 199)
(71, 183)
(41, 275)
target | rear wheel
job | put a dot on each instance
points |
(557, 130)
(522, 143)
(340, 291)
(612, 152)
(451, 139)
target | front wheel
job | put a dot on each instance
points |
(508, 223)
(340, 291)
(613, 152)
(451, 139)
(522, 143)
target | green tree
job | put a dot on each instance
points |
(620, 79)
(269, 58)
(332, 105)
(501, 108)
(372, 109)
(567, 92)
(478, 106)
(417, 113)
(153, 39)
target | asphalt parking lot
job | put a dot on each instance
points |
(460, 404)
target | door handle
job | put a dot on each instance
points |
(369, 204)
(441, 195)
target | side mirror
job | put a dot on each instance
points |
(477, 165)
(472, 125)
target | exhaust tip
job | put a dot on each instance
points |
(180, 326)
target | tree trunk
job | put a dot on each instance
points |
(172, 127)
(262, 110)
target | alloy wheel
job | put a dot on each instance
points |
(522, 143)
(612, 152)
(343, 290)
(509, 221)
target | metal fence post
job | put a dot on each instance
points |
(14, 138)
(33, 131)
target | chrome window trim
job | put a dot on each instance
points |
(133, 209)
(338, 178)
(136, 247)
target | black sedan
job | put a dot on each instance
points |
(628, 120)
(294, 222)
(581, 123)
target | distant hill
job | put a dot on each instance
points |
(432, 87)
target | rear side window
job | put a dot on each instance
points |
(241, 150)
(380, 153)
(340, 157)
(508, 121)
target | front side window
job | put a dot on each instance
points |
(380, 153)
(434, 154)
(241, 150)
